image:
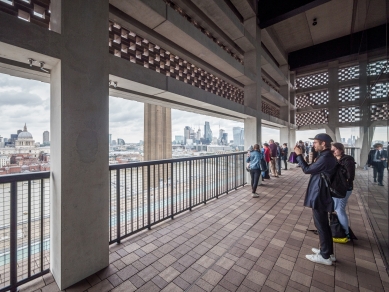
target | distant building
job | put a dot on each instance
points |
(238, 135)
(187, 131)
(46, 138)
(25, 140)
(4, 160)
(121, 141)
(179, 139)
(207, 133)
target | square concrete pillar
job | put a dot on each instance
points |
(252, 92)
(79, 145)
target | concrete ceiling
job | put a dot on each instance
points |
(335, 19)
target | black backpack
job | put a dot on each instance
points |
(337, 184)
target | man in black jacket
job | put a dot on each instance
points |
(317, 196)
(378, 159)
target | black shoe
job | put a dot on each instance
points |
(381, 184)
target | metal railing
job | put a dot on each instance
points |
(141, 195)
(24, 228)
(354, 152)
(146, 193)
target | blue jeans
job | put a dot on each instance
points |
(340, 209)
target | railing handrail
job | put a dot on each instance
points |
(164, 161)
(7, 178)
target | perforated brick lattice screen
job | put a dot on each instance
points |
(348, 93)
(270, 109)
(349, 114)
(132, 47)
(379, 112)
(375, 68)
(348, 73)
(380, 90)
(312, 98)
(312, 80)
(34, 11)
(312, 118)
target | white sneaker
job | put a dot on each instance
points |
(317, 258)
(255, 195)
(317, 251)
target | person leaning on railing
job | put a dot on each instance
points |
(254, 158)
(340, 204)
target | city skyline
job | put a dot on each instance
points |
(28, 101)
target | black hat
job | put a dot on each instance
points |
(323, 137)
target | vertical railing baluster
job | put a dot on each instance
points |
(217, 176)
(14, 236)
(227, 173)
(118, 205)
(190, 185)
(125, 200)
(42, 223)
(204, 178)
(29, 229)
(236, 169)
(172, 196)
(110, 205)
(148, 198)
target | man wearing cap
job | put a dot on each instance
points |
(317, 196)
(378, 159)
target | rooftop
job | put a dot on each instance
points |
(240, 243)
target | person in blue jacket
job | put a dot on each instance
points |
(254, 158)
(317, 196)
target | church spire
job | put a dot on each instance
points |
(25, 127)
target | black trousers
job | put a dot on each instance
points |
(255, 175)
(379, 169)
(286, 164)
(278, 164)
(323, 229)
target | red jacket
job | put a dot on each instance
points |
(267, 154)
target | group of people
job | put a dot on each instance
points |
(328, 155)
(260, 159)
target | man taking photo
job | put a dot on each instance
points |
(317, 196)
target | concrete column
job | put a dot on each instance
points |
(157, 132)
(79, 144)
(333, 104)
(252, 92)
(366, 131)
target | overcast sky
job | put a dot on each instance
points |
(28, 101)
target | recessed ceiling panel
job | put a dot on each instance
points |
(333, 20)
(294, 33)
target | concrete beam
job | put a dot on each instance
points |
(270, 40)
(246, 9)
(132, 24)
(24, 36)
(178, 30)
(268, 65)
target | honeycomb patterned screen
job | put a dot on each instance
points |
(312, 98)
(312, 118)
(349, 114)
(270, 109)
(379, 112)
(350, 93)
(377, 67)
(348, 73)
(312, 80)
(136, 49)
(380, 90)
